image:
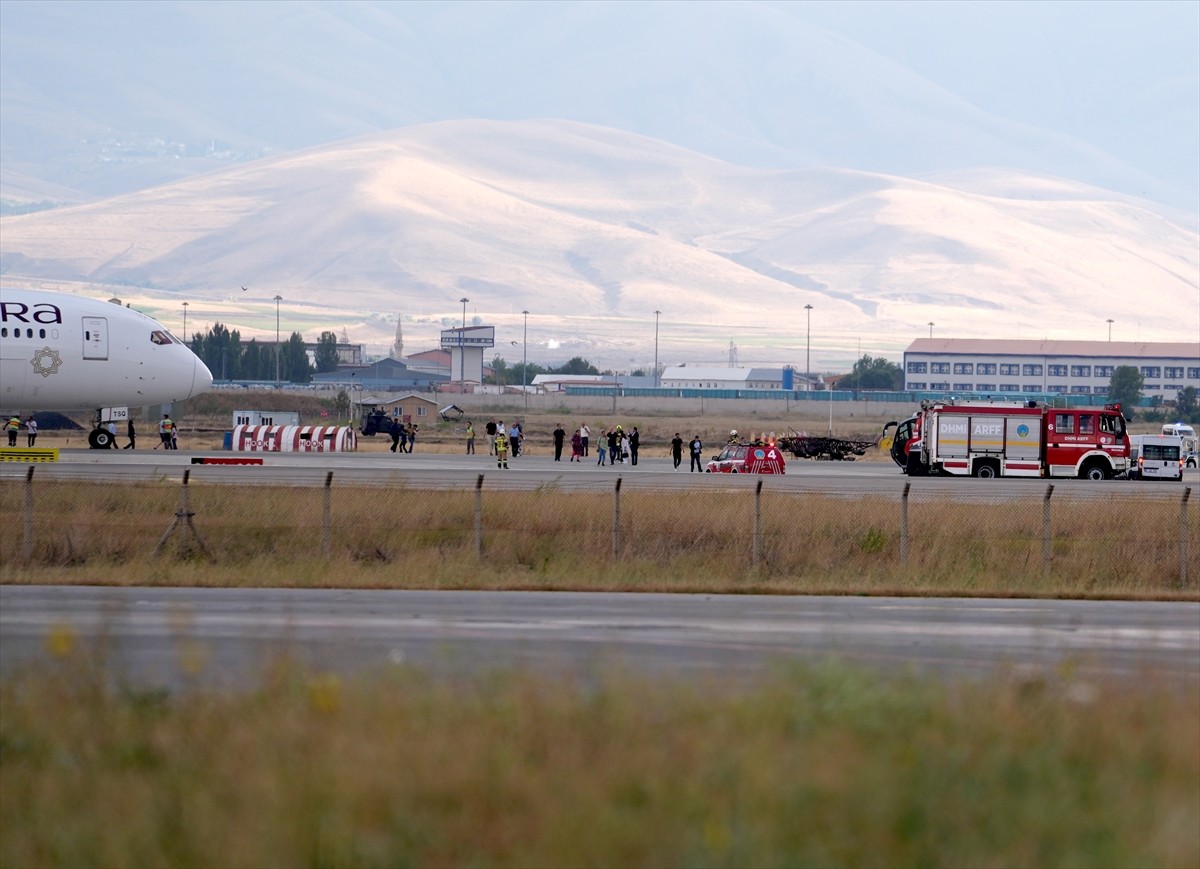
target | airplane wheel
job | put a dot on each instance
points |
(99, 439)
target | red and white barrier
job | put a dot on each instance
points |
(294, 439)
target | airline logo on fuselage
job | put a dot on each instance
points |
(19, 312)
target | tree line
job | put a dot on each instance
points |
(228, 357)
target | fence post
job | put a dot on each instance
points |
(904, 525)
(327, 516)
(616, 528)
(1183, 535)
(183, 519)
(479, 517)
(27, 547)
(756, 552)
(1047, 553)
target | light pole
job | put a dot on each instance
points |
(1110, 322)
(808, 350)
(931, 328)
(185, 304)
(462, 362)
(525, 362)
(278, 299)
(657, 314)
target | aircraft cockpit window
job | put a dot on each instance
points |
(160, 337)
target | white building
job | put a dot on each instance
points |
(699, 377)
(1067, 367)
(560, 382)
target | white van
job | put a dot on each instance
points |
(1155, 457)
(1179, 430)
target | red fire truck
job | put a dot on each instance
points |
(1002, 439)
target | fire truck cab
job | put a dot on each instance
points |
(1001, 439)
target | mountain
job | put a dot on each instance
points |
(107, 98)
(592, 230)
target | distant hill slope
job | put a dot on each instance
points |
(592, 230)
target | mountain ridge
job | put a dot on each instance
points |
(595, 229)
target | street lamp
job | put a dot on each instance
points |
(462, 362)
(525, 362)
(808, 351)
(1110, 322)
(278, 299)
(931, 328)
(185, 304)
(656, 316)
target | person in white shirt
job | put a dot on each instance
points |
(584, 434)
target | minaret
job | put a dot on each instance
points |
(398, 345)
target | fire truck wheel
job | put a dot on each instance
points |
(1094, 471)
(986, 471)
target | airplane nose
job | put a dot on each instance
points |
(201, 377)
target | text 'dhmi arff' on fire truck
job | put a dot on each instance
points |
(1003, 439)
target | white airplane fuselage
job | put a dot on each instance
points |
(63, 352)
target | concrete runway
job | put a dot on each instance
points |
(156, 636)
(448, 471)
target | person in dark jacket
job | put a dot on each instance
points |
(395, 430)
(560, 437)
(634, 441)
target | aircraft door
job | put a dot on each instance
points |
(95, 337)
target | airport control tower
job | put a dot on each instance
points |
(466, 346)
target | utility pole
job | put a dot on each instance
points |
(808, 350)
(462, 361)
(185, 307)
(525, 362)
(1110, 322)
(278, 299)
(657, 314)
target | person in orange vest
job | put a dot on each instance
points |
(12, 427)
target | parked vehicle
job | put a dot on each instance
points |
(739, 458)
(1155, 457)
(1005, 439)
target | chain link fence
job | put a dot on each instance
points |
(1082, 539)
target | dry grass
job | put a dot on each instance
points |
(548, 539)
(818, 766)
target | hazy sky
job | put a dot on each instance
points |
(1101, 71)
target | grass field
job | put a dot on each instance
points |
(392, 537)
(822, 765)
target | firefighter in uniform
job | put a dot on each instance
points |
(501, 450)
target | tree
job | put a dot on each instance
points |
(294, 360)
(500, 374)
(1125, 388)
(576, 365)
(874, 373)
(1186, 404)
(327, 354)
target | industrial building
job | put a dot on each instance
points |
(1014, 367)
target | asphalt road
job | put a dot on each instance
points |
(176, 637)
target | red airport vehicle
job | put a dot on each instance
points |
(1005, 439)
(739, 458)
